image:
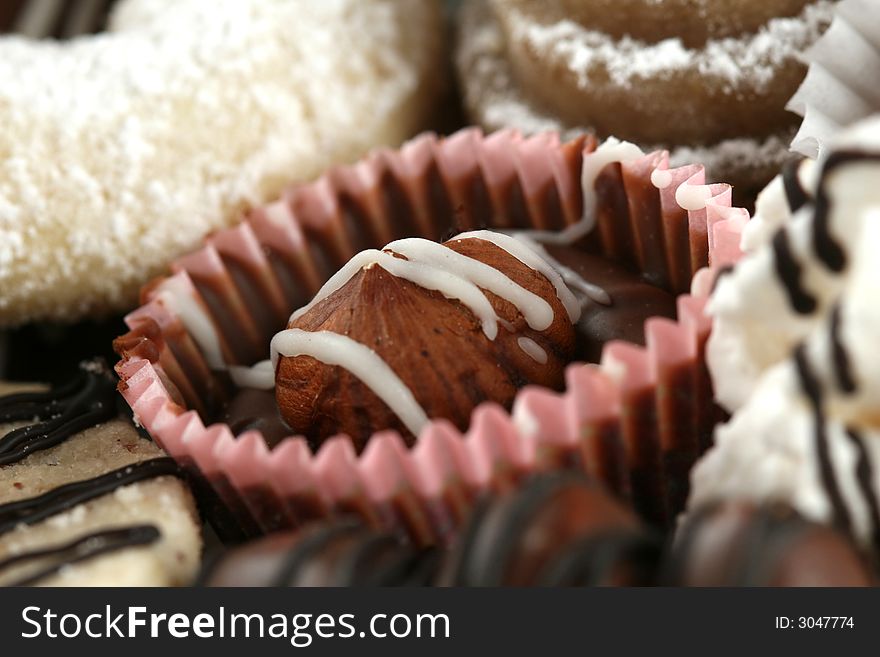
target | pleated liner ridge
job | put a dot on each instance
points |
(637, 421)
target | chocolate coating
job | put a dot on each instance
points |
(632, 302)
(741, 544)
(250, 410)
(559, 529)
(341, 552)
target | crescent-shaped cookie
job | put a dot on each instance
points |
(122, 150)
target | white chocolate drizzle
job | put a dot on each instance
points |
(364, 363)
(456, 276)
(260, 376)
(533, 349)
(535, 310)
(197, 322)
(587, 292)
(661, 178)
(525, 249)
(200, 327)
(447, 283)
(609, 152)
(693, 197)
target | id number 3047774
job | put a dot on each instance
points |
(815, 622)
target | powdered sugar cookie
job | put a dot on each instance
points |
(704, 83)
(124, 149)
(693, 21)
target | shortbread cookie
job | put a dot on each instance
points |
(122, 150)
(84, 499)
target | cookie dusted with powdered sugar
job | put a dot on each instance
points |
(125, 149)
(707, 80)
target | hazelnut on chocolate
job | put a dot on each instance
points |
(422, 330)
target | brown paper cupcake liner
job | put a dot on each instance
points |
(637, 420)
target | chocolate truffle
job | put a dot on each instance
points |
(738, 543)
(341, 552)
(559, 529)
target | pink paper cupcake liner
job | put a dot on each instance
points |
(637, 420)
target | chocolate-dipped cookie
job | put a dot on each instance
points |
(555, 530)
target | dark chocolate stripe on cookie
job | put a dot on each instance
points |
(839, 357)
(789, 272)
(33, 510)
(85, 401)
(23, 405)
(383, 560)
(795, 194)
(468, 540)
(865, 479)
(813, 391)
(721, 273)
(81, 549)
(828, 250)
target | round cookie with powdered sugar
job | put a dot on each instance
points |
(124, 149)
(84, 499)
(708, 85)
